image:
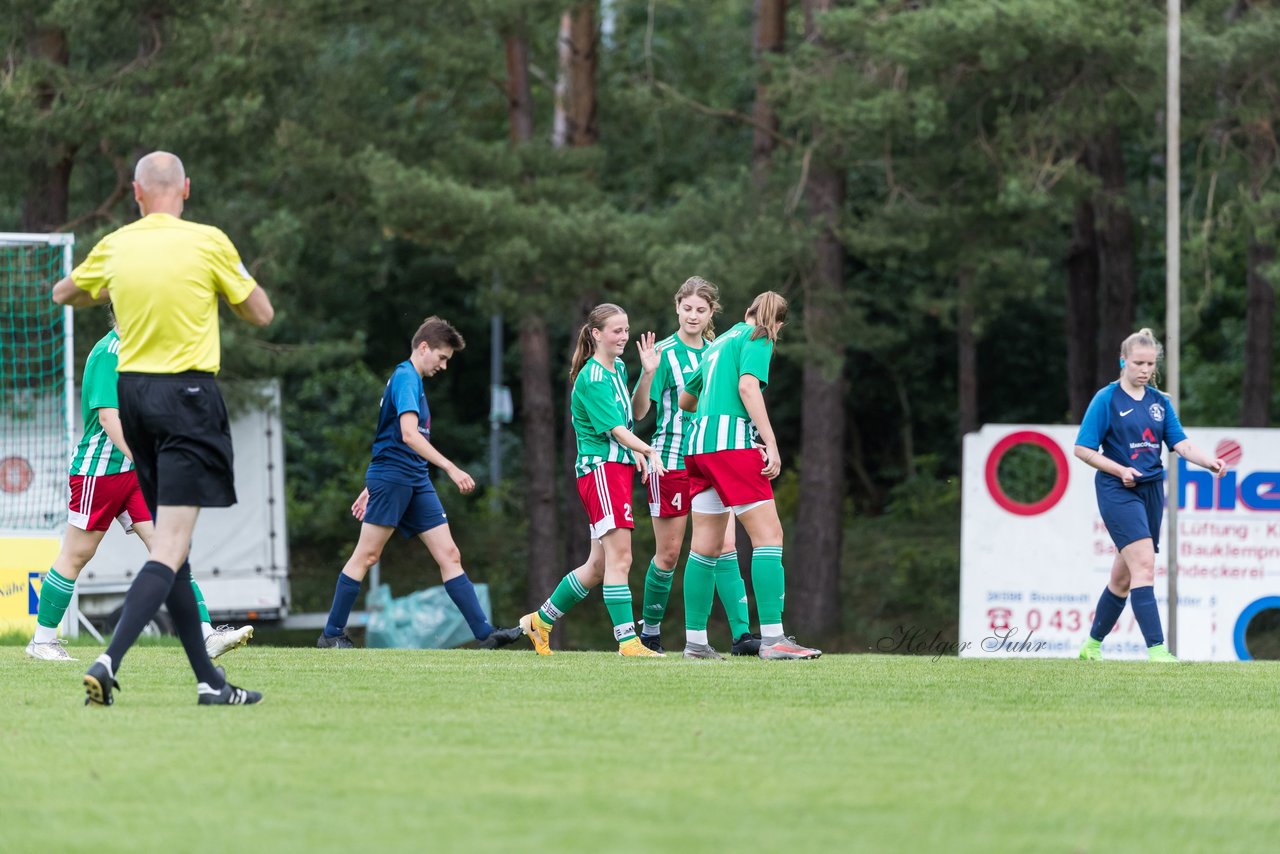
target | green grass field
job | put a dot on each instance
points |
(474, 751)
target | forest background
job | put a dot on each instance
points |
(963, 200)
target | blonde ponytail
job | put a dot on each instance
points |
(586, 343)
(767, 310)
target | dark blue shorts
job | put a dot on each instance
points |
(1130, 514)
(409, 509)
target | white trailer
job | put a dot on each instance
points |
(240, 554)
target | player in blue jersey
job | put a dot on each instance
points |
(1128, 420)
(399, 494)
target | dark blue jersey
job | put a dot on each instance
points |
(1131, 431)
(393, 460)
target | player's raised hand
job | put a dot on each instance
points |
(1218, 467)
(361, 502)
(648, 353)
(462, 480)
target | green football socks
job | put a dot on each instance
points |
(699, 591)
(55, 598)
(769, 583)
(657, 590)
(732, 591)
(617, 598)
(204, 611)
(568, 592)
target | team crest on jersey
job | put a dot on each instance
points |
(1157, 412)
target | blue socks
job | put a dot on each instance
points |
(1144, 608)
(1110, 607)
(463, 594)
(344, 596)
(460, 590)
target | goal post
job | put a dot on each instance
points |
(37, 412)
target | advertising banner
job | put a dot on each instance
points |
(23, 563)
(1031, 572)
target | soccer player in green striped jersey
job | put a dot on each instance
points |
(663, 377)
(730, 438)
(608, 454)
(104, 486)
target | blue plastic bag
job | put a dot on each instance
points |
(426, 619)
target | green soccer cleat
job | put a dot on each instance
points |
(1091, 651)
(1160, 653)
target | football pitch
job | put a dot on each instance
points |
(375, 750)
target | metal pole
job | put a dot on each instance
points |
(495, 424)
(1172, 284)
(495, 396)
(71, 620)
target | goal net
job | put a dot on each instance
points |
(36, 383)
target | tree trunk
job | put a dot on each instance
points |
(576, 109)
(1116, 259)
(815, 576)
(564, 59)
(581, 116)
(770, 37)
(44, 205)
(537, 411)
(1082, 311)
(1258, 338)
(519, 97)
(537, 414)
(966, 354)
(577, 541)
(907, 431)
(858, 464)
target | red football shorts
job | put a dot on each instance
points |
(95, 501)
(734, 475)
(669, 494)
(606, 496)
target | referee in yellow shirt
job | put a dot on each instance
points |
(163, 277)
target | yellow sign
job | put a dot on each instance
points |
(23, 563)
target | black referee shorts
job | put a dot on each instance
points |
(177, 428)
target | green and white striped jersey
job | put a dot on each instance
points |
(96, 455)
(721, 422)
(600, 402)
(677, 363)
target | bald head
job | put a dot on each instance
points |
(160, 173)
(160, 184)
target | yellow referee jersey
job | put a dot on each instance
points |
(164, 275)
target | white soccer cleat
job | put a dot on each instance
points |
(225, 638)
(52, 651)
(783, 648)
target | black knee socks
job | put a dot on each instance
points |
(155, 585)
(145, 596)
(182, 606)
